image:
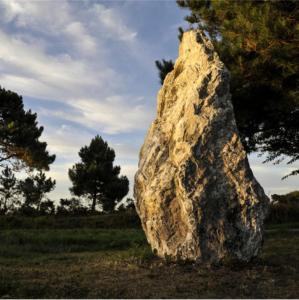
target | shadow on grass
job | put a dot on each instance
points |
(115, 263)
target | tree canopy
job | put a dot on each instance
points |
(34, 189)
(71, 206)
(259, 43)
(96, 178)
(19, 135)
(164, 67)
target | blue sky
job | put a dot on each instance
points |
(87, 68)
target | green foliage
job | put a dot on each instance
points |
(47, 208)
(128, 219)
(258, 42)
(71, 206)
(67, 240)
(34, 189)
(284, 208)
(8, 191)
(96, 178)
(19, 135)
(164, 67)
(290, 198)
(181, 32)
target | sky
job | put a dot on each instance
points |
(87, 68)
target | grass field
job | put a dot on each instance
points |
(117, 263)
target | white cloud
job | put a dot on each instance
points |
(66, 141)
(88, 85)
(52, 19)
(270, 176)
(44, 16)
(104, 116)
(30, 71)
(81, 39)
(112, 22)
(126, 151)
(29, 61)
(113, 115)
(10, 9)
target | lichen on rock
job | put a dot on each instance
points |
(195, 193)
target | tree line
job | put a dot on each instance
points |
(94, 179)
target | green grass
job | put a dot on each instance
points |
(115, 220)
(283, 226)
(20, 242)
(118, 263)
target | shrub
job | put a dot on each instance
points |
(284, 208)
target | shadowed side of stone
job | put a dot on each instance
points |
(195, 192)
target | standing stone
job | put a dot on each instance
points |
(195, 192)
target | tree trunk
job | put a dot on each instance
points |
(93, 205)
(39, 204)
(5, 206)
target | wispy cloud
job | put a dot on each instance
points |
(61, 73)
(88, 85)
(112, 24)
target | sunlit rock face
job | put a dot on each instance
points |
(195, 192)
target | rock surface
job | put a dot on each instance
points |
(195, 192)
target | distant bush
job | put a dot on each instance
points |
(47, 208)
(115, 220)
(284, 208)
(71, 206)
(26, 211)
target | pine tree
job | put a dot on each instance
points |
(8, 191)
(19, 135)
(34, 190)
(164, 67)
(259, 43)
(96, 178)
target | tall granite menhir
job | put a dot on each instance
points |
(195, 192)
